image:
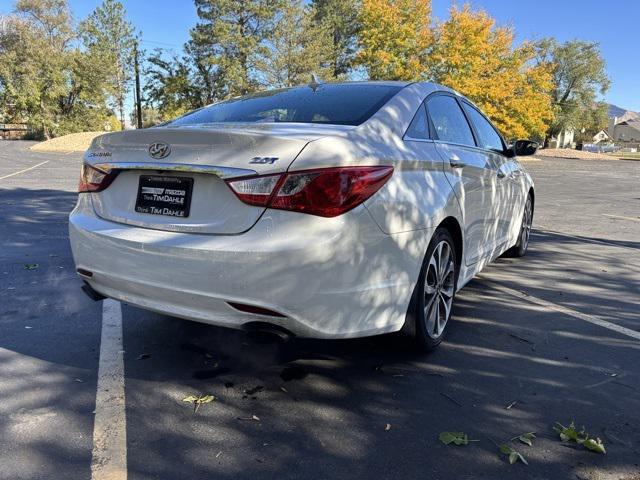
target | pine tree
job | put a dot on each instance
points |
(232, 35)
(339, 18)
(109, 36)
(297, 48)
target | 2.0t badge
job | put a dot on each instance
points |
(159, 150)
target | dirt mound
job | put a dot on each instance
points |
(74, 142)
(573, 154)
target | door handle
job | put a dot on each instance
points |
(455, 162)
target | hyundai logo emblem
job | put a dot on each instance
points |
(159, 150)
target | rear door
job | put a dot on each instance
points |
(470, 171)
(490, 140)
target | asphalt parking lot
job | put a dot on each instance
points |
(551, 337)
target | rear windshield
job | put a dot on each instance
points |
(337, 104)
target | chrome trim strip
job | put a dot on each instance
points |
(414, 139)
(471, 147)
(222, 172)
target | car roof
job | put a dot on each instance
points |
(399, 83)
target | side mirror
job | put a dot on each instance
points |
(525, 147)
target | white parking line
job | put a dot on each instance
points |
(621, 217)
(25, 170)
(566, 310)
(109, 461)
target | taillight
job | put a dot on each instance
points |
(94, 180)
(326, 192)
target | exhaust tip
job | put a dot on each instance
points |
(264, 332)
(84, 273)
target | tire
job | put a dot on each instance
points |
(435, 291)
(521, 246)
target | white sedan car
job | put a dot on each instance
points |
(326, 210)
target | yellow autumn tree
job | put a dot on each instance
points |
(394, 38)
(475, 57)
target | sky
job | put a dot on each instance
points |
(613, 24)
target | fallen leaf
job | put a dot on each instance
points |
(252, 418)
(512, 455)
(525, 438)
(198, 400)
(568, 434)
(595, 445)
(457, 438)
(31, 266)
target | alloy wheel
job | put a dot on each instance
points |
(439, 288)
(525, 230)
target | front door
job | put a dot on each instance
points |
(471, 173)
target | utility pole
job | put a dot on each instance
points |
(138, 99)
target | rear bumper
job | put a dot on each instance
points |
(330, 278)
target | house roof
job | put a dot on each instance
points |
(635, 124)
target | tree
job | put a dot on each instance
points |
(232, 35)
(394, 38)
(476, 58)
(169, 88)
(33, 61)
(297, 48)
(45, 80)
(579, 77)
(341, 21)
(108, 36)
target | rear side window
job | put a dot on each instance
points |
(336, 104)
(419, 127)
(488, 137)
(449, 121)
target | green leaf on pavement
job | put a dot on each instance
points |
(525, 438)
(595, 445)
(568, 434)
(512, 455)
(457, 438)
(31, 266)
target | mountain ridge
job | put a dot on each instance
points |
(621, 113)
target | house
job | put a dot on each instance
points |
(624, 129)
(564, 139)
(601, 136)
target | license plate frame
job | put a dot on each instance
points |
(168, 196)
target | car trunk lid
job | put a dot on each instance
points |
(199, 158)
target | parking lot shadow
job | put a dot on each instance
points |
(374, 407)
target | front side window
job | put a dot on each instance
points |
(335, 104)
(449, 121)
(488, 137)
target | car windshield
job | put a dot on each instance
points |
(336, 104)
